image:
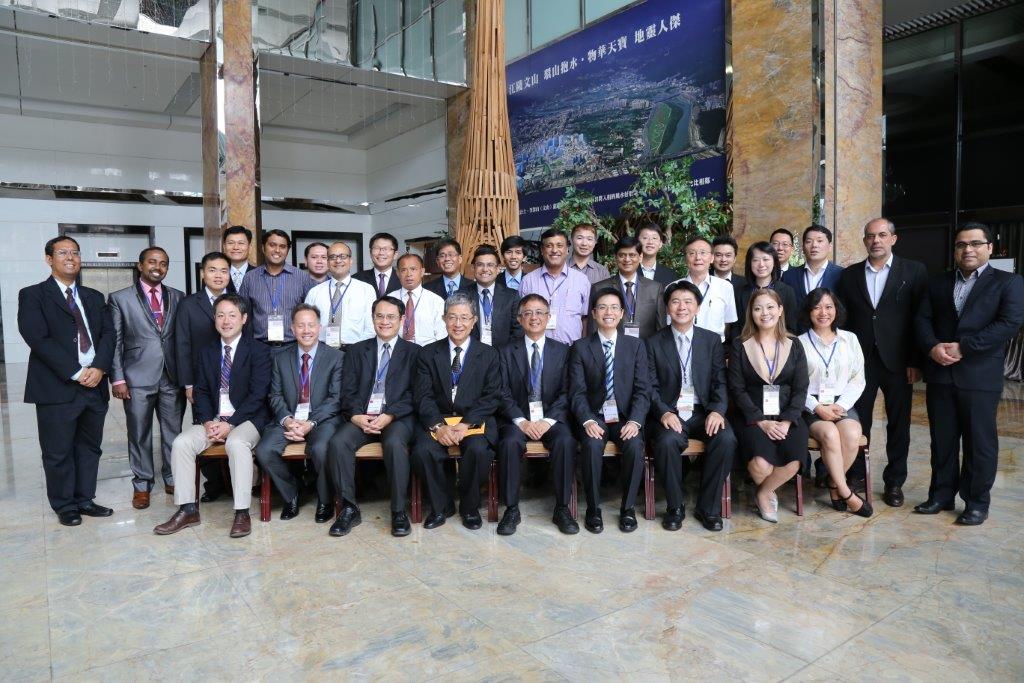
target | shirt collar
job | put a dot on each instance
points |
(821, 342)
(490, 288)
(385, 273)
(233, 345)
(341, 282)
(975, 275)
(312, 352)
(601, 338)
(529, 345)
(464, 346)
(688, 334)
(415, 293)
(887, 264)
(63, 287)
(145, 288)
(454, 280)
(240, 269)
(209, 294)
(391, 342)
(510, 276)
(587, 266)
(623, 279)
(821, 271)
(287, 268)
(564, 271)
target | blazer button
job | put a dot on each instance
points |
(874, 317)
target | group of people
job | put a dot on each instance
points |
(567, 355)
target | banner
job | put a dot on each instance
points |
(633, 90)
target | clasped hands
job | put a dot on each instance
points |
(830, 412)
(372, 424)
(946, 353)
(90, 377)
(775, 429)
(451, 435)
(296, 430)
(217, 431)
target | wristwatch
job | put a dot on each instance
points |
(436, 427)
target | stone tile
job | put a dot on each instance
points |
(137, 555)
(514, 666)
(24, 581)
(24, 643)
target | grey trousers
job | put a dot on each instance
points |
(168, 402)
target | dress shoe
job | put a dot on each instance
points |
(769, 515)
(242, 526)
(931, 507)
(627, 521)
(290, 510)
(323, 512)
(972, 517)
(472, 521)
(893, 496)
(178, 521)
(673, 519)
(709, 522)
(69, 518)
(593, 522)
(169, 489)
(209, 496)
(564, 521)
(864, 510)
(91, 509)
(348, 518)
(400, 524)
(509, 521)
(140, 500)
(436, 519)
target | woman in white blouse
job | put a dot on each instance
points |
(835, 367)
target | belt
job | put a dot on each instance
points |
(274, 343)
(344, 347)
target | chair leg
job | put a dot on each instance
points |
(492, 492)
(574, 503)
(799, 495)
(867, 473)
(727, 496)
(415, 498)
(197, 481)
(648, 487)
(264, 497)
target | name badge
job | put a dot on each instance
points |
(610, 411)
(376, 405)
(275, 328)
(226, 409)
(536, 411)
(770, 400)
(684, 404)
(827, 391)
(552, 321)
(302, 412)
(334, 336)
(485, 334)
(631, 331)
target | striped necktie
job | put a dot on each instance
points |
(609, 372)
(225, 369)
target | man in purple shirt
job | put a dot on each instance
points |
(567, 291)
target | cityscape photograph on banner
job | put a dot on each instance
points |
(661, 70)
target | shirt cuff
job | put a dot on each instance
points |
(518, 420)
(550, 421)
(588, 422)
(118, 383)
(78, 374)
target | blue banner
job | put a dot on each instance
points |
(631, 91)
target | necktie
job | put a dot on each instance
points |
(382, 367)
(304, 380)
(457, 362)
(409, 331)
(684, 371)
(84, 343)
(236, 277)
(225, 369)
(380, 284)
(630, 300)
(451, 287)
(486, 304)
(609, 372)
(335, 298)
(534, 373)
(154, 306)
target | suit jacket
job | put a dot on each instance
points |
(142, 351)
(47, 325)
(369, 276)
(748, 378)
(479, 396)
(890, 327)
(250, 382)
(324, 384)
(437, 286)
(794, 277)
(663, 274)
(707, 370)
(631, 379)
(789, 305)
(193, 331)
(554, 380)
(992, 315)
(504, 317)
(650, 308)
(360, 370)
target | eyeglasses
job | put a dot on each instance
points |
(973, 244)
(461, 319)
(605, 308)
(703, 252)
(64, 253)
(386, 317)
(534, 313)
(382, 250)
(338, 257)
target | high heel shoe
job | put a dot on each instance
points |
(838, 504)
(864, 510)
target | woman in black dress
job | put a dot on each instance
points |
(763, 272)
(768, 383)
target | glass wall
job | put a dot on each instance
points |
(531, 24)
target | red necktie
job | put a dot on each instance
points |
(84, 343)
(304, 380)
(154, 305)
(409, 334)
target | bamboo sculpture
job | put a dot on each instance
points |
(488, 206)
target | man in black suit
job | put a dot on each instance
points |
(689, 397)
(449, 261)
(376, 405)
(964, 323)
(652, 239)
(383, 276)
(498, 323)
(645, 308)
(882, 294)
(456, 378)
(609, 391)
(236, 242)
(71, 341)
(535, 373)
(230, 407)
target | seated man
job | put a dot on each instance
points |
(609, 395)
(305, 397)
(459, 378)
(230, 407)
(535, 371)
(376, 406)
(689, 396)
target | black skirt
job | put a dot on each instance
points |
(755, 442)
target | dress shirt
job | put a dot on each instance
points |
(846, 367)
(727, 277)
(625, 313)
(234, 350)
(429, 314)
(594, 271)
(513, 281)
(238, 275)
(686, 359)
(813, 280)
(784, 267)
(451, 284)
(568, 297)
(962, 287)
(602, 339)
(451, 351)
(480, 298)
(259, 286)
(353, 315)
(84, 359)
(719, 306)
(211, 296)
(876, 279)
(529, 354)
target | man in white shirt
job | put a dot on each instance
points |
(718, 309)
(236, 241)
(424, 311)
(343, 301)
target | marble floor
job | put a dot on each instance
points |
(825, 597)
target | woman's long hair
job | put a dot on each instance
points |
(765, 248)
(750, 327)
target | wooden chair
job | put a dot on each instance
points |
(812, 445)
(694, 449)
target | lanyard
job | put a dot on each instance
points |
(382, 369)
(551, 295)
(771, 364)
(807, 278)
(304, 377)
(814, 346)
(336, 306)
(275, 294)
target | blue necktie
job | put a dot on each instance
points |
(451, 287)
(382, 368)
(609, 371)
(486, 305)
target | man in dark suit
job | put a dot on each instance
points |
(236, 243)
(383, 276)
(457, 378)
(230, 407)
(882, 295)
(964, 323)
(498, 306)
(817, 270)
(449, 261)
(71, 341)
(144, 374)
(609, 391)
(689, 397)
(652, 239)
(645, 309)
(535, 373)
(305, 398)
(376, 405)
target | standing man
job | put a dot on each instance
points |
(273, 290)
(689, 397)
(71, 341)
(305, 398)
(498, 324)
(882, 295)
(723, 253)
(782, 241)
(718, 298)
(584, 240)
(449, 260)
(565, 289)
(315, 256)
(423, 321)
(144, 373)
(645, 310)
(513, 250)
(651, 242)
(235, 242)
(817, 270)
(535, 372)
(609, 391)
(964, 323)
(343, 301)
(383, 276)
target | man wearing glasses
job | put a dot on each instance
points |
(343, 301)
(383, 276)
(718, 309)
(645, 311)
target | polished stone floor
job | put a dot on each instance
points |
(825, 597)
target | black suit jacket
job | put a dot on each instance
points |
(554, 380)
(250, 383)
(504, 317)
(437, 286)
(194, 330)
(789, 306)
(794, 277)
(360, 370)
(650, 307)
(746, 385)
(992, 315)
(324, 384)
(369, 276)
(631, 380)
(479, 396)
(663, 274)
(48, 327)
(707, 367)
(890, 327)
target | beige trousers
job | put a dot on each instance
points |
(239, 446)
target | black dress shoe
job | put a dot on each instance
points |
(69, 518)
(434, 520)
(323, 512)
(593, 521)
(209, 496)
(972, 517)
(509, 521)
(673, 519)
(290, 510)
(91, 509)
(931, 507)
(627, 521)
(348, 518)
(400, 524)
(709, 522)
(564, 521)
(893, 497)
(472, 521)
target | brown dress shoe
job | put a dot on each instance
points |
(241, 526)
(178, 521)
(169, 489)
(140, 500)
